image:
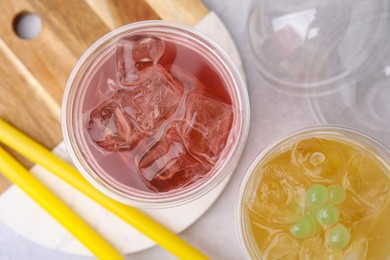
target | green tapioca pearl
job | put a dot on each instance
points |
(336, 194)
(303, 228)
(328, 215)
(337, 237)
(316, 196)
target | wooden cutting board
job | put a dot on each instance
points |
(33, 73)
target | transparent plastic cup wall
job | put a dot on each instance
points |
(349, 135)
(72, 114)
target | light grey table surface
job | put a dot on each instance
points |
(272, 114)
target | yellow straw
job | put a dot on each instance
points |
(16, 173)
(40, 155)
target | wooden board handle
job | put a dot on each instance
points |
(189, 12)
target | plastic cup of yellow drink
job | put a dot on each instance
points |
(320, 193)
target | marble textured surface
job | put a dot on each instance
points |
(272, 114)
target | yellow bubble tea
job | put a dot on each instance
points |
(318, 197)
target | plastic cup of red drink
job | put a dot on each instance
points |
(155, 114)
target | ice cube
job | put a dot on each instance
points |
(206, 126)
(313, 248)
(169, 165)
(135, 53)
(282, 246)
(367, 185)
(320, 159)
(137, 112)
(189, 82)
(153, 101)
(277, 196)
(191, 145)
(109, 89)
(357, 248)
(317, 158)
(110, 128)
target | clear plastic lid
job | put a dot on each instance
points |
(335, 53)
(363, 104)
(316, 45)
